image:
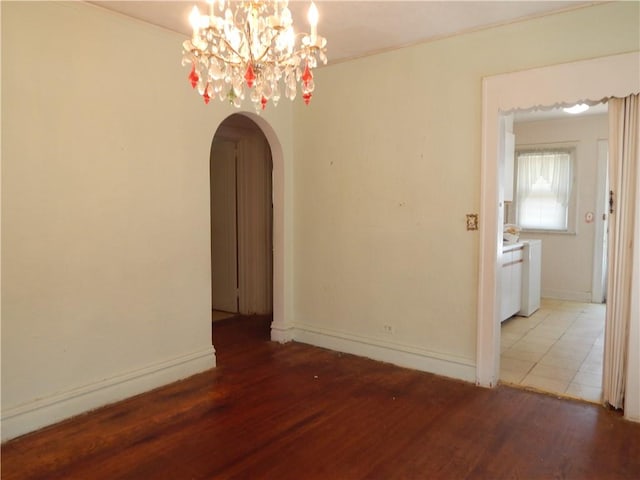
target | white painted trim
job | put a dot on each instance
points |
(385, 351)
(31, 416)
(281, 334)
(632, 393)
(557, 85)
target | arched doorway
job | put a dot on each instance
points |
(241, 219)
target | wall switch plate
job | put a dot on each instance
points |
(472, 221)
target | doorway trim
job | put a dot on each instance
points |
(281, 328)
(557, 85)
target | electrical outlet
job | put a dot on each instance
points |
(387, 329)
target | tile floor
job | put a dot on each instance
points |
(558, 349)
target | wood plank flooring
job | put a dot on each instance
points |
(272, 411)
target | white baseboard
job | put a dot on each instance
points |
(631, 418)
(281, 334)
(584, 297)
(390, 352)
(46, 411)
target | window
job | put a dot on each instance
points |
(543, 190)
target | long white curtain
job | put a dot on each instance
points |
(624, 251)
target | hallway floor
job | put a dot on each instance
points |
(558, 349)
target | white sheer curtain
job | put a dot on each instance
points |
(543, 189)
(624, 253)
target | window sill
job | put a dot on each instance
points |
(547, 232)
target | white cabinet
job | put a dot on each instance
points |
(511, 280)
(531, 271)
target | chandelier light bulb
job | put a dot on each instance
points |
(312, 16)
(194, 20)
(252, 45)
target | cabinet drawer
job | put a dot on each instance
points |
(517, 254)
(512, 257)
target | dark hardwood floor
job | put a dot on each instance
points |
(272, 411)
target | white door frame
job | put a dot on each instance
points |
(557, 85)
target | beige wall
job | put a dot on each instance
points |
(387, 166)
(105, 210)
(567, 260)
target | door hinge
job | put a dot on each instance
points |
(611, 202)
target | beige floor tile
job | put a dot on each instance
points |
(559, 314)
(556, 323)
(563, 319)
(514, 378)
(588, 379)
(555, 330)
(573, 351)
(596, 350)
(542, 342)
(571, 306)
(574, 354)
(552, 385)
(512, 327)
(591, 367)
(545, 333)
(515, 365)
(521, 354)
(529, 345)
(531, 321)
(594, 356)
(575, 343)
(507, 338)
(541, 313)
(587, 320)
(553, 372)
(583, 332)
(560, 362)
(590, 394)
(594, 310)
(558, 348)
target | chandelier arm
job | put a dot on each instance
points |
(229, 46)
(247, 39)
(225, 60)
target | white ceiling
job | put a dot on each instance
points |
(358, 28)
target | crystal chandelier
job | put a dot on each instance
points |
(252, 43)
